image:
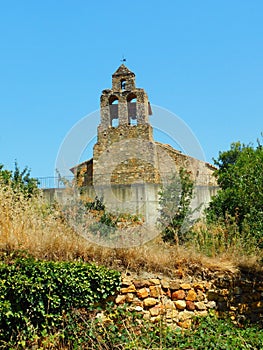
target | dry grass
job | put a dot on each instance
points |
(33, 226)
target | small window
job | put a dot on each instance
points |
(123, 84)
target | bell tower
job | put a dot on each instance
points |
(125, 136)
(123, 104)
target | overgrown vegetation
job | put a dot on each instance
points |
(240, 198)
(19, 180)
(49, 294)
(121, 329)
(37, 297)
(175, 211)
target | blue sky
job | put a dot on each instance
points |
(202, 60)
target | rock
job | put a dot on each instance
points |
(129, 297)
(199, 286)
(180, 304)
(154, 311)
(126, 282)
(190, 305)
(138, 308)
(178, 295)
(120, 299)
(174, 285)
(141, 283)
(185, 286)
(149, 302)
(156, 291)
(146, 315)
(169, 304)
(168, 293)
(137, 302)
(191, 295)
(165, 284)
(200, 296)
(185, 315)
(154, 281)
(171, 313)
(200, 305)
(211, 305)
(208, 285)
(201, 313)
(129, 289)
(142, 293)
(185, 324)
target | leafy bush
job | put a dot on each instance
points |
(20, 181)
(97, 204)
(122, 329)
(119, 329)
(175, 200)
(240, 177)
(38, 294)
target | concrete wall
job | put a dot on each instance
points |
(139, 199)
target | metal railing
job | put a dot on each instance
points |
(54, 181)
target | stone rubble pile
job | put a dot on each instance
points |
(176, 301)
(169, 300)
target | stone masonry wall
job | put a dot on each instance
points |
(177, 302)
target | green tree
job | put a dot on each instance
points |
(175, 213)
(19, 180)
(240, 177)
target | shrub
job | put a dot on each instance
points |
(37, 294)
(20, 181)
(240, 177)
(175, 212)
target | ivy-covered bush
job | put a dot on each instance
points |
(39, 294)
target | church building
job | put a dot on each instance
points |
(128, 166)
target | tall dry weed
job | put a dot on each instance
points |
(31, 224)
(40, 229)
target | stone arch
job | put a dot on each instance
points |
(132, 106)
(112, 99)
(114, 110)
(131, 97)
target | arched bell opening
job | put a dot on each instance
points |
(132, 103)
(114, 109)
